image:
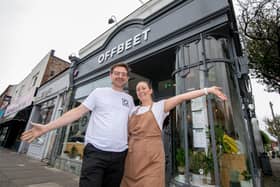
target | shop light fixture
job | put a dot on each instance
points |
(112, 19)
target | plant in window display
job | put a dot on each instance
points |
(180, 159)
(209, 167)
(231, 161)
(227, 154)
(246, 175)
(229, 144)
(73, 152)
(180, 162)
(197, 162)
(225, 143)
(202, 167)
(247, 179)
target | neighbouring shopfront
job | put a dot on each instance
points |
(178, 46)
(50, 103)
(11, 128)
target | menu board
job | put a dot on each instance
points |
(199, 138)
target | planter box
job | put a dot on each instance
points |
(79, 146)
(231, 162)
(248, 183)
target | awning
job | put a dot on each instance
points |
(20, 116)
(8, 118)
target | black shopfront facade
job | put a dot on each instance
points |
(182, 46)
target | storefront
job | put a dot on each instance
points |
(49, 104)
(11, 128)
(178, 46)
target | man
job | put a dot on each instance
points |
(106, 135)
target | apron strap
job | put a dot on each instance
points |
(150, 109)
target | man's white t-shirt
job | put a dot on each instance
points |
(157, 109)
(107, 127)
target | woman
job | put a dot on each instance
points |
(145, 161)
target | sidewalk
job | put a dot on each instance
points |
(17, 170)
(274, 180)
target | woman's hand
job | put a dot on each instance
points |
(218, 92)
(36, 131)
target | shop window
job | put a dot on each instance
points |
(85, 90)
(75, 135)
(74, 144)
(45, 114)
(52, 73)
(34, 79)
(21, 90)
(193, 125)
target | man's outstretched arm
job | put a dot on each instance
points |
(67, 118)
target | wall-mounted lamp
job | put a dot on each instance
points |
(112, 19)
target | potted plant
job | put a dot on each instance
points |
(73, 152)
(197, 166)
(180, 159)
(197, 159)
(209, 167)
(247, 179)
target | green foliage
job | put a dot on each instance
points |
(197, 161)
(259, 25)
(73, 152)
(219, 134)
(246, 175)
(180, 157)
(201, 160)
(222, 146)
(208, 163)
(265, 138)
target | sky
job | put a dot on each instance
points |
(31, 28)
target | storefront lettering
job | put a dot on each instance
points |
(124, 46)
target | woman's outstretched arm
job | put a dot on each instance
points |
(174, 101)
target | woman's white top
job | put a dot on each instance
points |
(157, 109)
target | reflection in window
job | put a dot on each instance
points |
(193, 126)
(75, 135)
(85, 90)
(74, 146)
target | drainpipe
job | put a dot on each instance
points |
(60, 134)
(244, 110)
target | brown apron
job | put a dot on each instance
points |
(145, 162)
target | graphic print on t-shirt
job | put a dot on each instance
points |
(125, 102)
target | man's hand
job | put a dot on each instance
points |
(36, 131)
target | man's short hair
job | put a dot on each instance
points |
(119, 65)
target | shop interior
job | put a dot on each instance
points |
(157, 70)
